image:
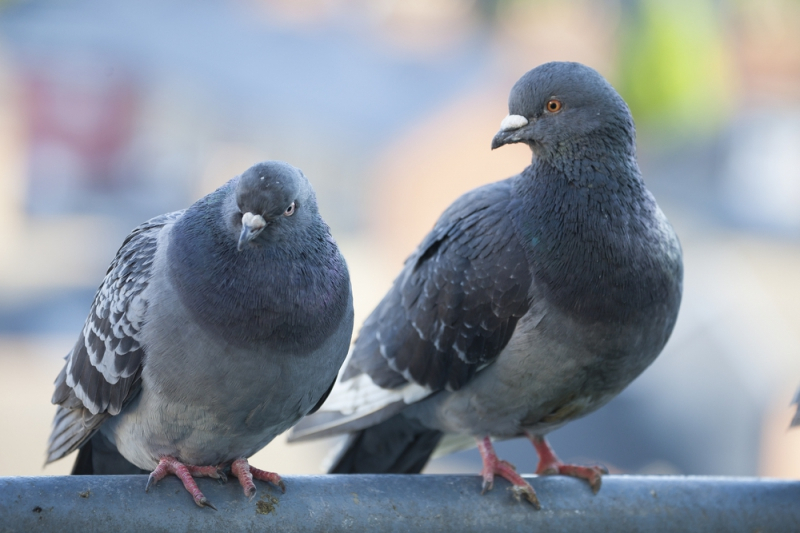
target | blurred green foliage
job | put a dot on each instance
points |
(673, 68)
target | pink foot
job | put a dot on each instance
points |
(549, 464)
(245, 474)
(170, 465)
(213, 472)
(492, 465)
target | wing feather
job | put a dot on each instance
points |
(103, 371)
(456, 302)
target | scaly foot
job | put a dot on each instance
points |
(492, 465)
(245, 474)
(186, 473)
(549, 464)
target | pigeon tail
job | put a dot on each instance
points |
(399, 445)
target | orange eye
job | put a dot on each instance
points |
(553, 106)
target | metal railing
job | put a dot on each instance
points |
(401, 503)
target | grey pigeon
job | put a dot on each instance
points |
(215, 329)
(533, 301)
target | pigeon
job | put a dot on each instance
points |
(533, 301)
(215, 329)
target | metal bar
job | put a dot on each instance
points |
(401, 503)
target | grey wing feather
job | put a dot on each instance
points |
(456, 302)
(103, 370)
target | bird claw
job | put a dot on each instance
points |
(488, 484)
(549, 471)
(592, 474)
(526, 491)
(203, 502)
(214, 472)
(158, 474)
(186, 473)
(220, 476)
(170, 465)
(550, 465)
(246, 474)
(493, 466)
(596, 480)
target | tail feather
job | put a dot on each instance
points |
(399, 445)
(77, 429)
(71, 428)
(325, 424)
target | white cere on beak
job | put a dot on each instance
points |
(251, 227)
(254, 222)
(513, 122)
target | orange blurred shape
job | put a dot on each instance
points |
(436, 162)
(780, 445)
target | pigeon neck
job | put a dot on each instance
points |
(591, 230)
(611, 152)
(289, 298)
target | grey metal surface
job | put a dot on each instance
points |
(401, 503)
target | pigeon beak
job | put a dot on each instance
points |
(252, 225)
(509, 131)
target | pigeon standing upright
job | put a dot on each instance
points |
(215, 329)
(533, 301)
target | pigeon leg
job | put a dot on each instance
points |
(245, 474)
(492, 465)
(170, 465)
(549, 464)
(269, 477)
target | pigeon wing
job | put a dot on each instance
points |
(103, 370)
(456, 303)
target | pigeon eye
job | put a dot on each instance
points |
(553, 106)
(289, 210)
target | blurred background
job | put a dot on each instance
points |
(113, 112)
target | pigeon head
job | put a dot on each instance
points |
(273, 200)
(559, 108)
